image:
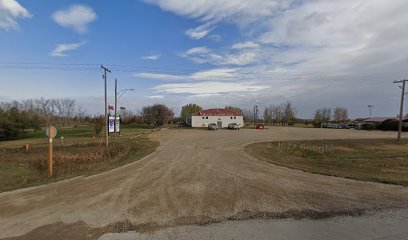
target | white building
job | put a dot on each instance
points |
(221, 117)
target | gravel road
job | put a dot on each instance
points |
(195, 177)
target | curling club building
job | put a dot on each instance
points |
(221, 117)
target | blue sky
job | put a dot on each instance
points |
(316, 53)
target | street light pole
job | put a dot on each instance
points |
(370, 109)
(121, 92)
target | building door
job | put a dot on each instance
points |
(219, 123)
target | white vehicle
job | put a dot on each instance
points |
(233, 126)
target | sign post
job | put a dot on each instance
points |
(51, 132)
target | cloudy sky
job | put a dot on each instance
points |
(315, 53)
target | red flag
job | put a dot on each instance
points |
(110, 107)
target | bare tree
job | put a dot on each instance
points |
(322, 115)
(267, 115)
(248, 115)
(234, 109)
(44, 109)
(340, 115)
(289, 113)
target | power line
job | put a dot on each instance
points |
(182, 74)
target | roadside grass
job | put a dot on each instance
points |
(81, 154)
(72, 135)
(377, 160)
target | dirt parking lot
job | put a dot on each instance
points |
(195, 177)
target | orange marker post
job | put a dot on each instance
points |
(50, 160)
(51, 133)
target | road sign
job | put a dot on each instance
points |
(51, 132)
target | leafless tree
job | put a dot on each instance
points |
(289, 113)
(322, 115)
(267, 115)
(340, 115)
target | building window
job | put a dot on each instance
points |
(203, 117)
(206, 117)
(231, 117)
(235, 117)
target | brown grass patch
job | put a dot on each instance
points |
(376, 160)
(20, 168)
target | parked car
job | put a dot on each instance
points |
(212, 126)
(260, 126)
(233, 126)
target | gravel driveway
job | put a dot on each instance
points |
(195, 177)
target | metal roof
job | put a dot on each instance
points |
(383, 119)
(379, 119)
(217, 112)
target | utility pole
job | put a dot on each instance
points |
(370, 107)
(106, 70)
(401, 107)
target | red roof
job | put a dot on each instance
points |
(378, 119)
(382, 119)
(217, 112)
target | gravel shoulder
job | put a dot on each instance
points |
(386, 225)
(195, 177)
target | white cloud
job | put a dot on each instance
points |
(10, 11)
(200, 31)
(156, 97)
(242, 11)
(208, 88)
(245, 45)
(76, 17)
(152, 57)
(319, 52)
(61, 49)
(225, 74)
(197, 51)
(206, 55)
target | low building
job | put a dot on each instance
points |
(379, 119)
(221, 117)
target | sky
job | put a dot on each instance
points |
(314, 53)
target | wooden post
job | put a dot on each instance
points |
(401, 114)
(50, 161)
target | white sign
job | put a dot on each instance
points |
(117, 124)
(112, 124)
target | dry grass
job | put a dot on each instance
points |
(20, 168)
(377, 160)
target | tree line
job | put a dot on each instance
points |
(17, 117)
(326, 115)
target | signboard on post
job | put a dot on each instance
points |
(51, 130)
(111, 123)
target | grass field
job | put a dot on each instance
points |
(81, 154)
(376, 160)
